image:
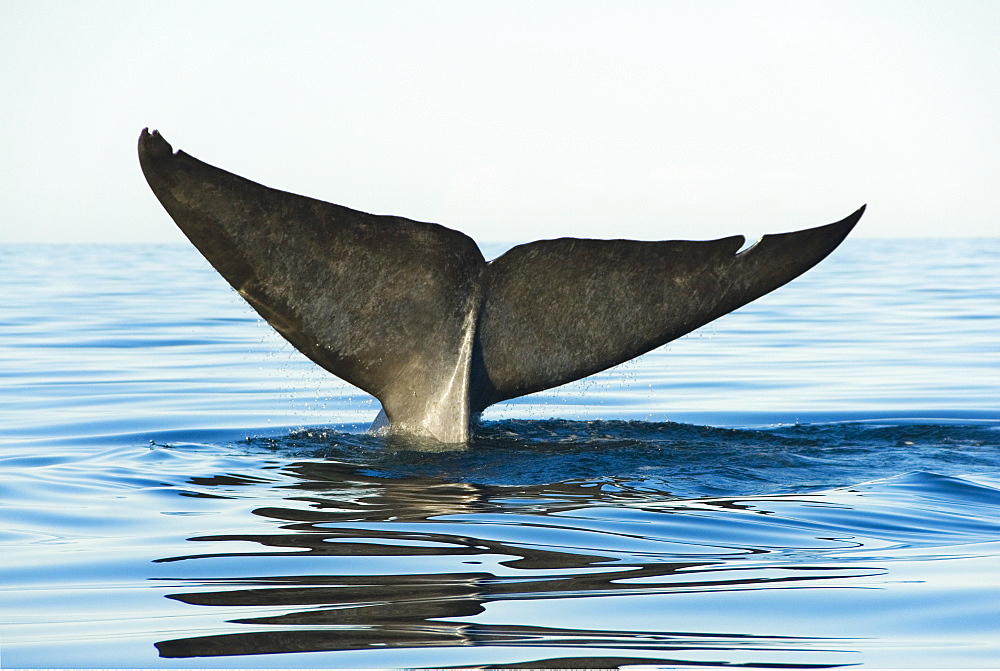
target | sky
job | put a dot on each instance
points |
(514, 120)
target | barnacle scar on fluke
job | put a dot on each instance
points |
(412, 313)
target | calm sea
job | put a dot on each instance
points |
(809, 482)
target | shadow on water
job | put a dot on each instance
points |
(425, 555)
(667, 458)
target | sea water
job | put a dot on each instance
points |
(808, 482)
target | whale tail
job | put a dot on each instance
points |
(411, 313)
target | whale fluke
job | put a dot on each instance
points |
(412, 313)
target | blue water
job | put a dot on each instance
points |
(809, 482)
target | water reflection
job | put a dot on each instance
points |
(489, 545)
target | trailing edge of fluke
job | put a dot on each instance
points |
(412, 313)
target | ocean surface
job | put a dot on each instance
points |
(809, 482)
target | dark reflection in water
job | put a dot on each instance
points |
(518, 544)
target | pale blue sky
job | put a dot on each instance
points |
(512, 120)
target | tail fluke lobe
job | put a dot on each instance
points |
(378, 301)
(558, 310)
